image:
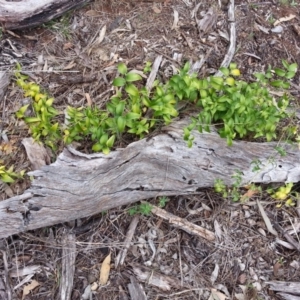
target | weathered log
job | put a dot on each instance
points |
(286, 290)
(31, 13)
(79, 185)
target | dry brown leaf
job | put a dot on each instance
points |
(216, 295)
(296, 29)
(284, 19)
(91, 13)
(68, 46)
(7, 148)
(276, 268)
(71, 65)
(101, 36)
(28, 288)
(249, 194)
(88, 99)
(156, 9)
(105, 270)
(242, 278)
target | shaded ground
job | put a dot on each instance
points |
(245, 255)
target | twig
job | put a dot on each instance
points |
(229, 55)
(187, 41)
(287, 236)
(168, 57)
(129, 235)
(183, 224)
(266, 219)
(68, 265)
(6, 277)
(153, 73)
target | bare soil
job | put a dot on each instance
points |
(67, 58)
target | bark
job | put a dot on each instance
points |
(31, 13)
(287, 290)
(79, 185)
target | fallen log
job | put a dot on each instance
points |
(31, 13)
(79, 185)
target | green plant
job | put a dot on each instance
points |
(8, 175)
(41, 124)
(147, 67)
(163, 201)
(271, 19)
(143, 209)
(130, 110)
(280, 150)
(294, 3)
(239, 108)
(256, 165)
(61, 25)
(220, 187)
(253, 6)
(288, 2)
(284, 193)
(232, 192)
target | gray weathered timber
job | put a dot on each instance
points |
(79, 185)
(30, 13)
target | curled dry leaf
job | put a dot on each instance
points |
(249, 194)
(284, 19)
(28, 288)
(105, 269)
(156, 9)
(101, 36)
(216, 295)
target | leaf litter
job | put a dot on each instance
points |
(77, 69)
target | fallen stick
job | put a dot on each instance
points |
(183, 224)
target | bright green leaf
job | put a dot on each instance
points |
(20, 113)
(131, 77)
(290, 75)
(122, 68)
(293, 67)
(119, 81)
(132, 90)
(106, 150)
(110, 141)
(279, 72)
(225, 71)
(32, 120)
(97, 147)
(6, 178)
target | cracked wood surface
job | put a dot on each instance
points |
(79, 185)
(31, 13)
